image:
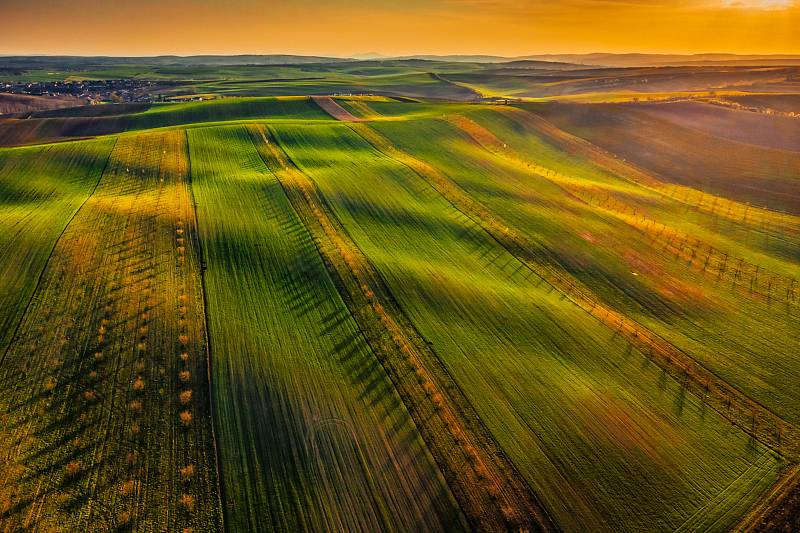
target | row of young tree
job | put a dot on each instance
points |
(728, 400)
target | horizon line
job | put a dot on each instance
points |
(379, 55)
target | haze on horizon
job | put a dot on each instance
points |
(348, 27)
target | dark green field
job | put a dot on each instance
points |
(420, 311)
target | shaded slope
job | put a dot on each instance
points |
(743, 172)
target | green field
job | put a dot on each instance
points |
(42, 188)
(305, 408)
(429, 253)
(243, 314)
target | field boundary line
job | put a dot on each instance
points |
(207, 335)
(52, 251)
(778, 498)
(732, 403)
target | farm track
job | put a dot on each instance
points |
(97, 438)
(751, 416)
(492, 494)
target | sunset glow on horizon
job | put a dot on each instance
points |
(347, 27)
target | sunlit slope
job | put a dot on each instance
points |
(312, 433)
(40, 189)
(625, 259)
(606, 439)
(105, 413)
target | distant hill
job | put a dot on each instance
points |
(622, 60)
(9, 62)
(460, 58)
(549, 61)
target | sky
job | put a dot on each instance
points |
(344, 28)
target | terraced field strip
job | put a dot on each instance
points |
(774, 223)
(585, 431)
(107, 423)
(490, 491)
(725, 398)
(313, 435)
(41, 189)
(750, 278)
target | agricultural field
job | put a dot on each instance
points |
(305, 408)
(433, 307)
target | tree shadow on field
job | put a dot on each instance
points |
(680, 399)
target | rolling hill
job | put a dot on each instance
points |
(377, 313)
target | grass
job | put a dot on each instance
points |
(494, 329)
(306, 413)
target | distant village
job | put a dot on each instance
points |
(93, 91)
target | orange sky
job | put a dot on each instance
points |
(346, 27)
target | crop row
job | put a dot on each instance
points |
(487, 487)
(726, 399)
